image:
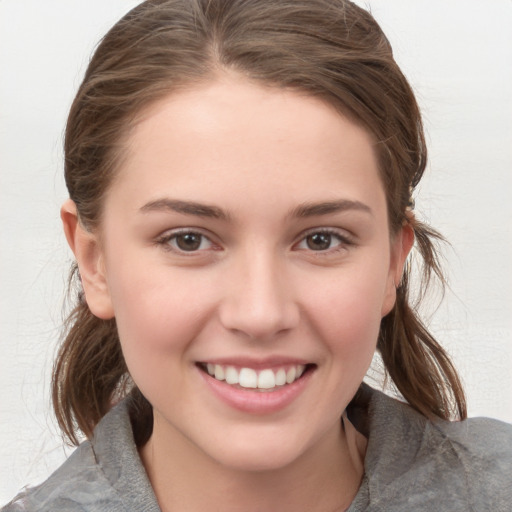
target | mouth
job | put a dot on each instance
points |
(261, 379)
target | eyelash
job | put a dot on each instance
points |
(166, 240)
(343, 239)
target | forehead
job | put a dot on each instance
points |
(230, 140)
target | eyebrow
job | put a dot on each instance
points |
(328, 207)
(186, 207)
(302, 211)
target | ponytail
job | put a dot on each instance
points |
(89, 372)
(417, 364)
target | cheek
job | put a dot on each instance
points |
(158, 319)
(348, 308)
(157, 313)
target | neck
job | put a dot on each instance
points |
(326, 477)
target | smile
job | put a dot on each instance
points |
(249, 378)
(259, 388)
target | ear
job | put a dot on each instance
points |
(401, 246)
(87, 250)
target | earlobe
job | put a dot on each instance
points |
(87, 250)
(401, 247)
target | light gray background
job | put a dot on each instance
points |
(458, 56)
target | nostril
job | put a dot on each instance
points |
(259, 321)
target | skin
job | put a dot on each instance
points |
(255, 288)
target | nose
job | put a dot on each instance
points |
(258, 298)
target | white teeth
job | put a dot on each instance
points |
(219, 372)
(231, 375)
(249, 378)
(266, 379)
(290, 374)
(281, 377)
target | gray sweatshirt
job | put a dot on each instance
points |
(411, 465)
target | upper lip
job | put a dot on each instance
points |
(256, 363)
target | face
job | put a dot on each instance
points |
(245, 253)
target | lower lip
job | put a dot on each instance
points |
(254, 401)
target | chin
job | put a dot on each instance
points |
(257, 460)
(258, 453)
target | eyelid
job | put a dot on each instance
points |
(345, 238)
(165, 238)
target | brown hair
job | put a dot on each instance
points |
(331, 49)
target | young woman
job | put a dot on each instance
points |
(240, 177)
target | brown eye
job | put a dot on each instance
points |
(188, 241)
(319, 241)
(183, 241)
(325, 241)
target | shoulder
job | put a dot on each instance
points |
(482, 437)
(419, 464)
(77, 479)
(482, 448)
(103, 474)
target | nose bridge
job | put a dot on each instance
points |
(259, 301)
